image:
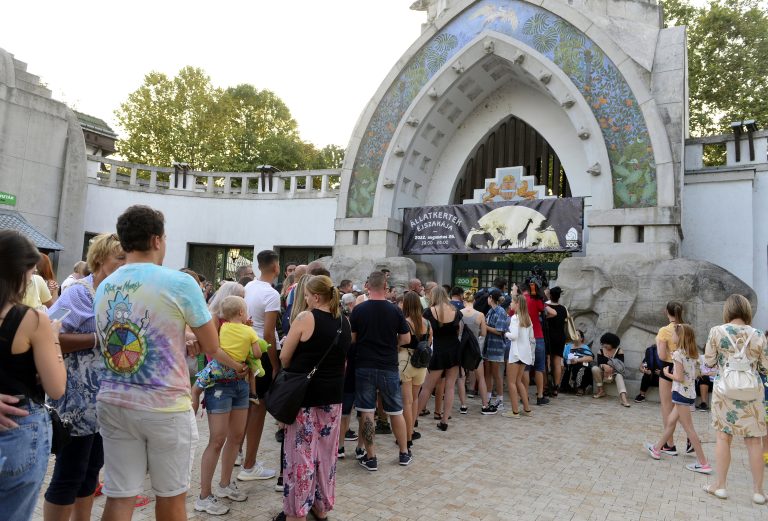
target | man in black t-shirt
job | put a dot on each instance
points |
(378, 328)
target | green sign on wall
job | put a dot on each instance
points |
(6, 198)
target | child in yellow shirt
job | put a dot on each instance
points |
(240, 342)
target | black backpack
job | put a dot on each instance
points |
(481, 301)
(471, 356)
(421, 354)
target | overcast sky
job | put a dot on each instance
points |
(324, 58)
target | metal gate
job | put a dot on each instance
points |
(481, 274)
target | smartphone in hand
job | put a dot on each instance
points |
(60, 314)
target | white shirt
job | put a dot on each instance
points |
(522, 343)
(261, 298)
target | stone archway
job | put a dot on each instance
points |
(600, 112)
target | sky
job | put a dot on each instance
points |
(324, 58)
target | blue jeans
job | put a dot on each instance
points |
(368, 381)
(540, 363)
(23, 461)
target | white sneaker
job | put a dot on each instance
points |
(210, 505)
(255, 472)
(239, 459)
(231, 491)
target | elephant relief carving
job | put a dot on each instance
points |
(621, 294)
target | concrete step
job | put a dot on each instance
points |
(27, 77)
(19, 65)
(34, 88)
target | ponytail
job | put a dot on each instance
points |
(323, 286)
(334, 304)
(675, 310)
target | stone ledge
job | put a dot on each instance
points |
(659, 216)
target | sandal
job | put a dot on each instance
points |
(442, 426)
(580, 392)
(599, 394)
(438, 416)
(719, 493)
(425, 412)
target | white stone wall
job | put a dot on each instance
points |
(725, 222)
(265, 224)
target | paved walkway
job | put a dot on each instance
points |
(575, 459)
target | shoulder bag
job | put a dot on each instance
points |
(285, 395)
(571, 333)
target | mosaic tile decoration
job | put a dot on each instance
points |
(598, 79)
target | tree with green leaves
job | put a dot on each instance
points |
(187, 119)
(727, 53)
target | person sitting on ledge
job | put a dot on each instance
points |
(650, 367)
(610, 368)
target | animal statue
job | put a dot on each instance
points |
(627, 295)
(522, 237)
(524, 192)
(493, 191)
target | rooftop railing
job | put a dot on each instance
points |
(726, 152)
(255, 185)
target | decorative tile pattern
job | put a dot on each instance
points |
(598, 79)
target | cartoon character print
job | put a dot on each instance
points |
(125, 343)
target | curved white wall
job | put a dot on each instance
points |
(265, 224)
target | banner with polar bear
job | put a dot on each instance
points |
(543, 225)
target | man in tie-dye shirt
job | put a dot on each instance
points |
(144, 403)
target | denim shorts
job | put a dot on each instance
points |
(225, 397)
(679, 399)
(76, 472)
(24, 453)
(540, 362)
(368, 381)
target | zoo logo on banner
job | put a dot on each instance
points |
(549, 225)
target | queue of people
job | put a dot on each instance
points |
(137, 349)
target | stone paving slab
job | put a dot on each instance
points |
(577, 459)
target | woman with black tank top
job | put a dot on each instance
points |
(29, 349)
(445, 320)
(312, 441)
(412, 378)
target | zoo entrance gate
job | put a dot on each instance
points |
(465, 273)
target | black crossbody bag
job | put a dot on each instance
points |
(285, 395)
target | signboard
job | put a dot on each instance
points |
(543, 225)
(466, 282)
(6, 198)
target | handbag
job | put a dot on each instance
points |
(738, 381)
(61, 430)
(285, 395)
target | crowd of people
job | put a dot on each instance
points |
(132, 352)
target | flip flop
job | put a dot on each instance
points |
(141, 501)
(719, 493)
